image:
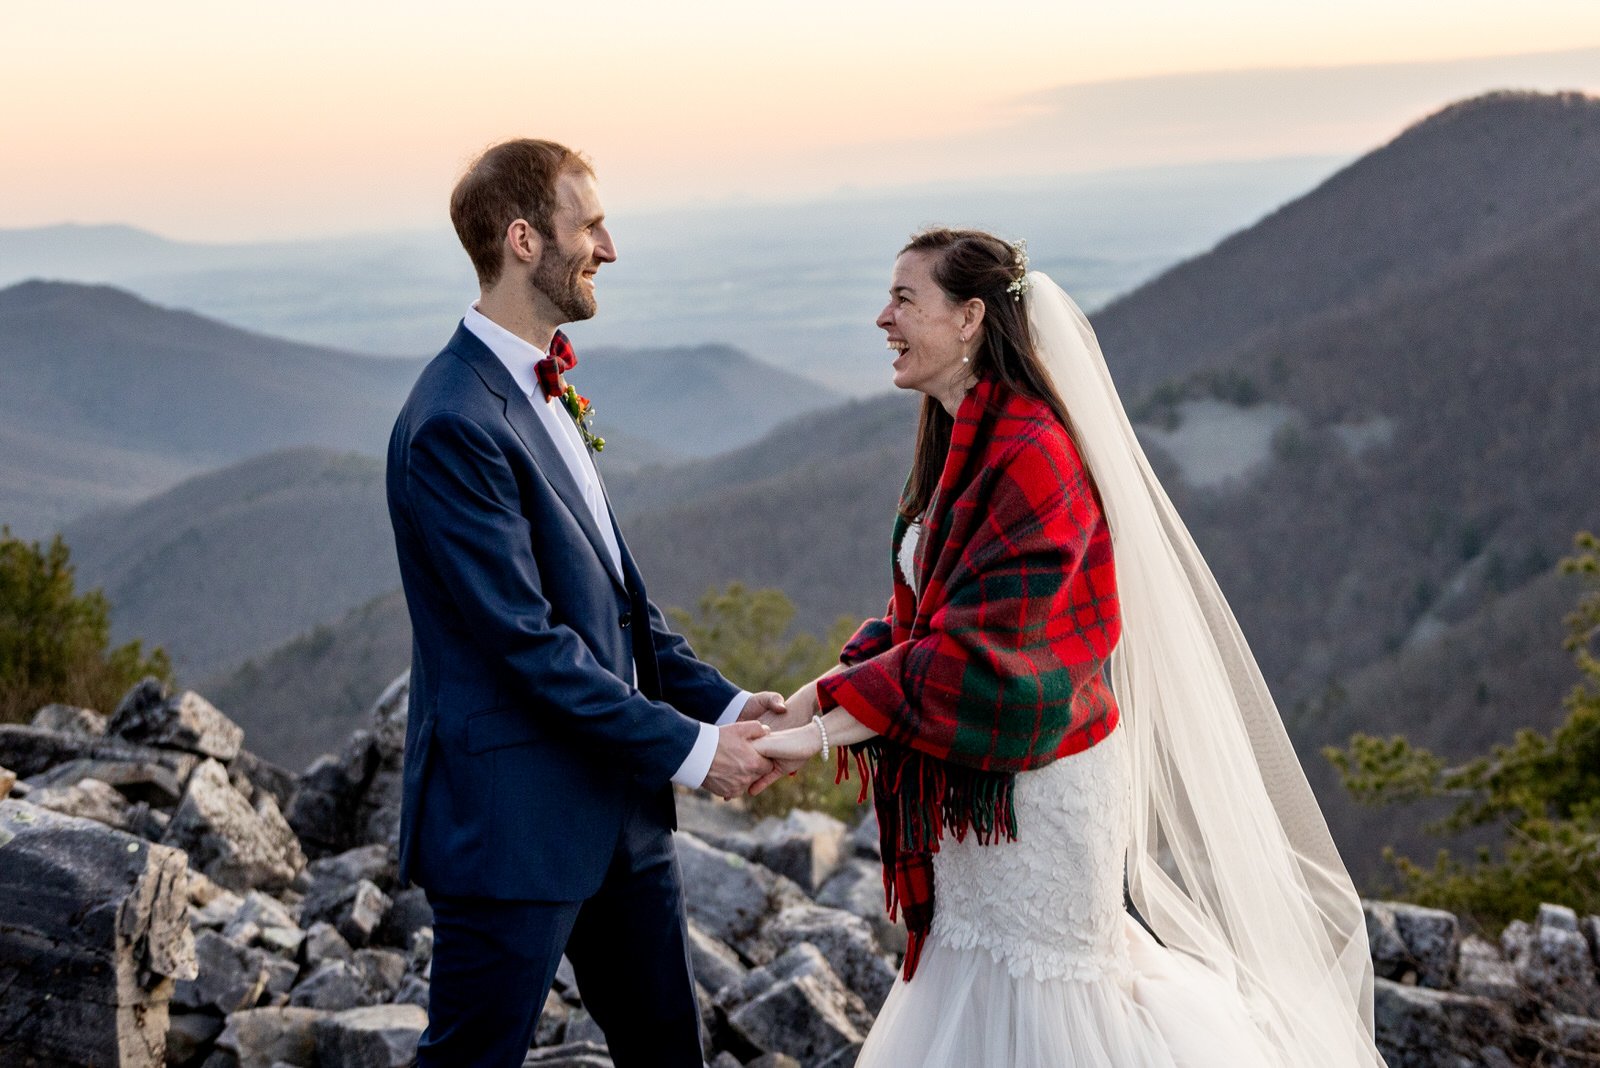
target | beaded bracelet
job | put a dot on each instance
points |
(824, 732)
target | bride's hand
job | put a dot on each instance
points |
(788, 750)
(792, 748)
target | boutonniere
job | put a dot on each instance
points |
(582, 412)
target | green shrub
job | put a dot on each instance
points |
(745, 633)
(53, 641)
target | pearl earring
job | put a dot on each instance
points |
(963, 359)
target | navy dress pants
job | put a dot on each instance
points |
(494, 962)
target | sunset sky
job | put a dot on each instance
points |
(229, 121)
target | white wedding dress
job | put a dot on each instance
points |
(1032, 961)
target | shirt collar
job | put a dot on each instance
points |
(517, 355)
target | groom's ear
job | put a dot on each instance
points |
(523, 243)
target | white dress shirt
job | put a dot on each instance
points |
(519, 357)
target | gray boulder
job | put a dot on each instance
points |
(281, 977)
(324, 942)
(414, 991)
(728, 896)
(419, 956)
(795, 1005)
(1483, 972)
(353, 798)
(240, 847)
(845, 941)
(864, 838)
(93, 932)
(334, 986)
(88, 799)
(358, 912)
(1422, 1028)
(325, 810)
(186, 721)
(30, 751)
(716, 822)
(190, 1034)
(70, 719)
(1577, 1041)
(569, 1055)
(857, 888)
(230, 977)
(382, 970)
(804, 846)
(715, 965)
(1433, 938)
(377, 811)
(258, 913)
(252, 776)
(382, 1036)
(136, 780)
(581, 1028)
(1552, 960)
(409, 912)
(552, 1020)
(331, 875)
(260, 1038)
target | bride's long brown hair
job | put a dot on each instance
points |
(967, 265)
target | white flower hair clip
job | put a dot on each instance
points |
(1019, 258)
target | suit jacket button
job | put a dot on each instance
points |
(625, 619)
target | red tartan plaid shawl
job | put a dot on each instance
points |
(997, 667)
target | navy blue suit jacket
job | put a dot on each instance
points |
(526, 734)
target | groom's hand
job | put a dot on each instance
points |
(736, 764)
(766, 707)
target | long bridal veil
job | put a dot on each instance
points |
(1231, 862)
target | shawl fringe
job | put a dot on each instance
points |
(919, 800)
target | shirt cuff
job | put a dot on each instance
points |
(735, 706)
(692, 772)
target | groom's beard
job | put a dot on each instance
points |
(560, 280)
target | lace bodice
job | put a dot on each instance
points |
(1049, 903)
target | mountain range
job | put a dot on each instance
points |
(1414, 347)
(109, 399)
(794, 283)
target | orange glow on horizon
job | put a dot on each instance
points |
(251, 120)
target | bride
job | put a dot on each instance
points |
(1057, 699)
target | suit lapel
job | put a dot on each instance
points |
(546, 457)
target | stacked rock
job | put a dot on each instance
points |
(1448, 1001)
(167, 897)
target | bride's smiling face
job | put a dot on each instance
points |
(928, 332)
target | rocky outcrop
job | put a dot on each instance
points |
(94, 934)
(166, 897)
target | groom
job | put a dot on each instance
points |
(551, 707)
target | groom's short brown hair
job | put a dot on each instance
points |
(510, 181)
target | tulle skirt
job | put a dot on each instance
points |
(1033, 962)
(966, 1009)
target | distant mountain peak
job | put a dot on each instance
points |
(43, 293)
(1509, 103)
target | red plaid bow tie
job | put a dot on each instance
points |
(550, 369)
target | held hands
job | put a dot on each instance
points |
(795, 739)
(737, 766)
